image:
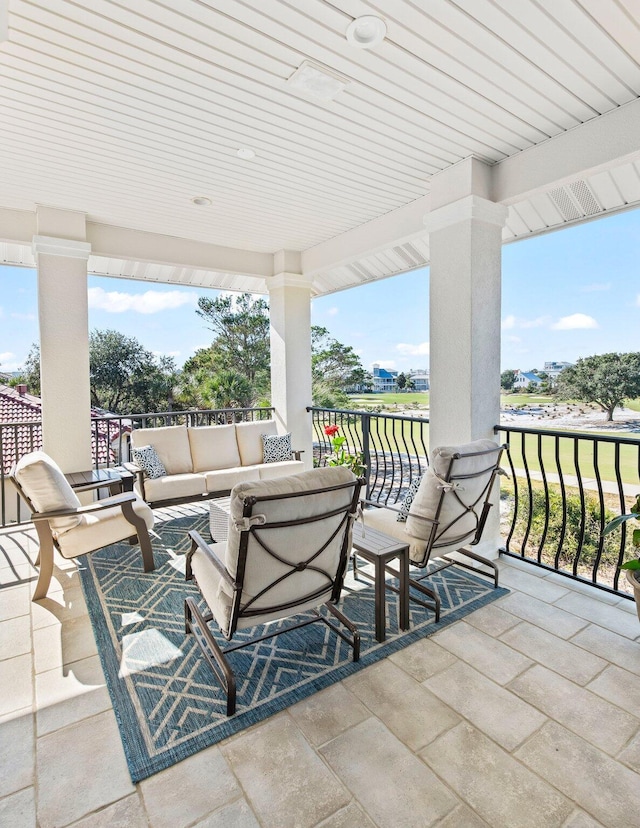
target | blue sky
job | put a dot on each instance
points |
(566, 294)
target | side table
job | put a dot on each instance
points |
(116, 479)
(378, 549)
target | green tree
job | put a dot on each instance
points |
(30, 374)
(411, 385)
(604, 379)
(507, 379)
(335, 368)
(401, 381)
(227, 389)
(241, 337)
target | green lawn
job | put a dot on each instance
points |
(396, 398)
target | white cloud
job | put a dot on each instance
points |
(7, 355)
(152, 301)
(333, 311)
(514, 339)
(27, 317)
(166, 353)
(595, 287)
(510, 322)
(8, 362)
(577, 321)
(413, 350)
(389, 364)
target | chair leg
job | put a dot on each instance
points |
(143, 536)
(355, 640)
(195, 623)
(495, 572)
(44, 560)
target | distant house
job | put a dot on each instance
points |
(383, 380)
(420, 380)
(554, 369)
(526, 378)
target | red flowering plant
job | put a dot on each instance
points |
(340, 455)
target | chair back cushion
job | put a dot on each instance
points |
(457, 522)
(291, 544)
(171, 444)
(249, 436)
(45, 485)
(213, 447)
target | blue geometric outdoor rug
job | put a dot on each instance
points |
(166, 699)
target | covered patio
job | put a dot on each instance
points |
(285, 149)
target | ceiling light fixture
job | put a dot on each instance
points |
(245, 153)
(201, 201)
(313, 81)
(366, 32)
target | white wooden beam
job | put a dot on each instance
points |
(597, 145)
(397, 227)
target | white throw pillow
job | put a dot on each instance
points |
(276, 447)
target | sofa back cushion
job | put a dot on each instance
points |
(213, 447)
(249, 436)
(47, 488)
(171, 444)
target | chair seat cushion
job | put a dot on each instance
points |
(102, 528)
(386, 520)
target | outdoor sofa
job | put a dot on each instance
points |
(208, 461)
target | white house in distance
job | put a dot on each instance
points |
(526, 378)
(383, 380)
(420, 380)
(554, 369)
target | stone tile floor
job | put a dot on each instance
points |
(520, 715)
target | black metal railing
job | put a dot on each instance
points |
(110, 444)
(564, 488)
(394, 447)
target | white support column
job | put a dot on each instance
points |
(290, 314)
(62, 256)
(465, 237)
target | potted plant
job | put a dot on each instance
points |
(340, 456)
(632, 567)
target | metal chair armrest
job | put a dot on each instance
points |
(198, 542)
(296, 453)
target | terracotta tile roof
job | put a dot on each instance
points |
(17, 440)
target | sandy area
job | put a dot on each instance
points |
(580, 417)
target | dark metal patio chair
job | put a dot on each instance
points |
(286, 553)
(447, 515)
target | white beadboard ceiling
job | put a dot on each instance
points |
(126, 111)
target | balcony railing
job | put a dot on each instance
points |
(110, 444)
(564, 488)
(394, 447)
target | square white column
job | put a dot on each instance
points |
(290, 316)
(64, 350)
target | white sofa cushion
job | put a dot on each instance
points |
(430, 491)
(174, 486)
(102, 528)
(249, 436)
(222, 480)
(171, 443)
(47, 488)
(213, 447)
(269, 471)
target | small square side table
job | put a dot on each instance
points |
(378, 549)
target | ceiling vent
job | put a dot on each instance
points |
(576, 200)
(310, 80)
